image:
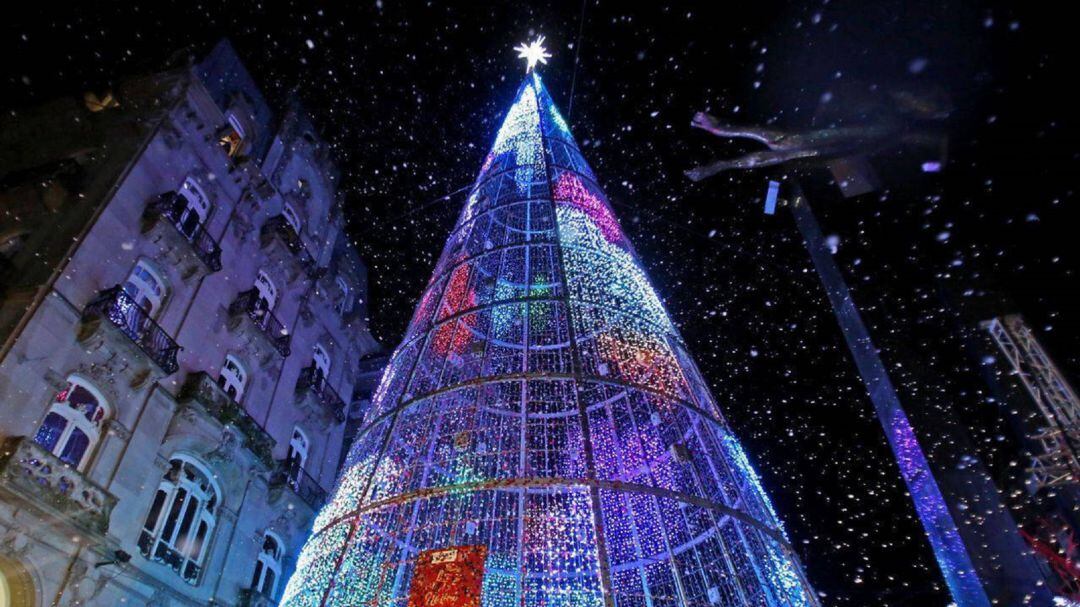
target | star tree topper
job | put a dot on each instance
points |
(533, 53)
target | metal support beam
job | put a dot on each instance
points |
(952, 556)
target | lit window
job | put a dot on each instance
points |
(181, 519)
(73, 424)
(268, 567)
(233, 139)
(233, 378)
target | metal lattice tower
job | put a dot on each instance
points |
(1059, 432)
(543, 406)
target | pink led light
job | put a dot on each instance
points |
(570, 190)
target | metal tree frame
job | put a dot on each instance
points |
(542, 404)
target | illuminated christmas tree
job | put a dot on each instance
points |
(541, 437)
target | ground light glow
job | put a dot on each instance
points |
(543, 407)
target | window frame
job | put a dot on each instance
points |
(234, 141)
(75, 419)
(344, 305)
(196, 201)
(302, 448)
(139, 294)
(320, 359)
(292, 217)
(267, 289)
(268, 562)
(186, 511)
(237, 379)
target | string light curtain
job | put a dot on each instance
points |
(543, 409)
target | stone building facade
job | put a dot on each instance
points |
(183, 323)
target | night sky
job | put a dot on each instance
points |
(410, 94)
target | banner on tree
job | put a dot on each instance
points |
(448, 577)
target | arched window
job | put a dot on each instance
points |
(268, 566)
(298, 453)
(182, 518)
(344, 304)
(321, 360)
(233, 378)
(268, 292)
(292, 217)
(146, 287)
(196, 207)
(72, 426)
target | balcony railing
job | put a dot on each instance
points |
(120, 309)
(250, 303)
(202, 388)
(170, 206)
(312, 382)
(34, 474)
(288, 474)
(277, 226)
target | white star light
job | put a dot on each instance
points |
(533, 53)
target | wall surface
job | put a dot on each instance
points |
(158, 377)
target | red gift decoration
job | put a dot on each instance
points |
(448, 577)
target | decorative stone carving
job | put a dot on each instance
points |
(238, 428)
(15, 544)
(114, 427)
(39, 477)
(225, 451)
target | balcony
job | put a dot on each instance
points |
(311, 385)
(248, 304)
(169, 208)
(202, 388)
(121, 311)
(33, 474)
(277, 229)
(300, 482)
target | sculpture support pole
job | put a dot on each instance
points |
(937, 522)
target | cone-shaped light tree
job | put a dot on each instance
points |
(541, 437)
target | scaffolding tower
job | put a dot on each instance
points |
(1058, 432)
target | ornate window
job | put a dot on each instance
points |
(344, 304)
(298, 453)
(182, 517)
(196, 207)
(268, 292)
(321, 360)
(233, 378)
(292, 217)
(268, 566)
(146, 287)
(72, 426)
